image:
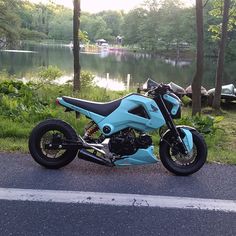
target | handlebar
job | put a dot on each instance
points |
(160, 89)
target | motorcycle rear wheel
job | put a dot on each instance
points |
(180, 164)
(43, 134)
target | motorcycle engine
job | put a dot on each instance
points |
(125, 142)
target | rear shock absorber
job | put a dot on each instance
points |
(90, 129)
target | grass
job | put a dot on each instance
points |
(14, 145)
(15, 130)
(221, 146)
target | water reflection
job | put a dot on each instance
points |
(107, 83)
(117, 63)
(178, 63)
(111, 84)
(22, 51)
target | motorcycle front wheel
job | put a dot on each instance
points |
(178, 163)
(46, 133)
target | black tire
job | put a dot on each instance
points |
(40, 155)
(200, 155)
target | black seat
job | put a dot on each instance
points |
(103, 109)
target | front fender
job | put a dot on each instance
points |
(178, 127)
(185, 127)
(187, 139)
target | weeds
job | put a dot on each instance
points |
(204, 124)
(22, 106)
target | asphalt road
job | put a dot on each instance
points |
(49, 218)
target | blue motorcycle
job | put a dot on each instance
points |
(117, 134)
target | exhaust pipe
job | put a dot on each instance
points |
(88, 156)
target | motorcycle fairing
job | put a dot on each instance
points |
(174, 102)
(142, 156)
(121, 118)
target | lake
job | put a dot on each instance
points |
(140, 66)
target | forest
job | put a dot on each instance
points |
(154, 26)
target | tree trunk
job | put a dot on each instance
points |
(221, 57)
(76, 48)
(197, 80)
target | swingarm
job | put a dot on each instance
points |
(58, 143)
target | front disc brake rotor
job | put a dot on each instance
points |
(182, 159)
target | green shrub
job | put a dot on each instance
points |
(4, 75)
(86, 79)
(50, 73)
(19, 102)
(204, 124)
(186, 100)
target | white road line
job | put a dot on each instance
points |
(117, 199)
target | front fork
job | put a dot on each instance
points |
(184, 142)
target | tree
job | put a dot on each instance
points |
(9, 22)
(61, 24)
(96, 27)
(114, 20)
(76, 48)
(221, 56)
(158, 25)
(176, 25)
(149, 29)
(197, 80)
(131, 29)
